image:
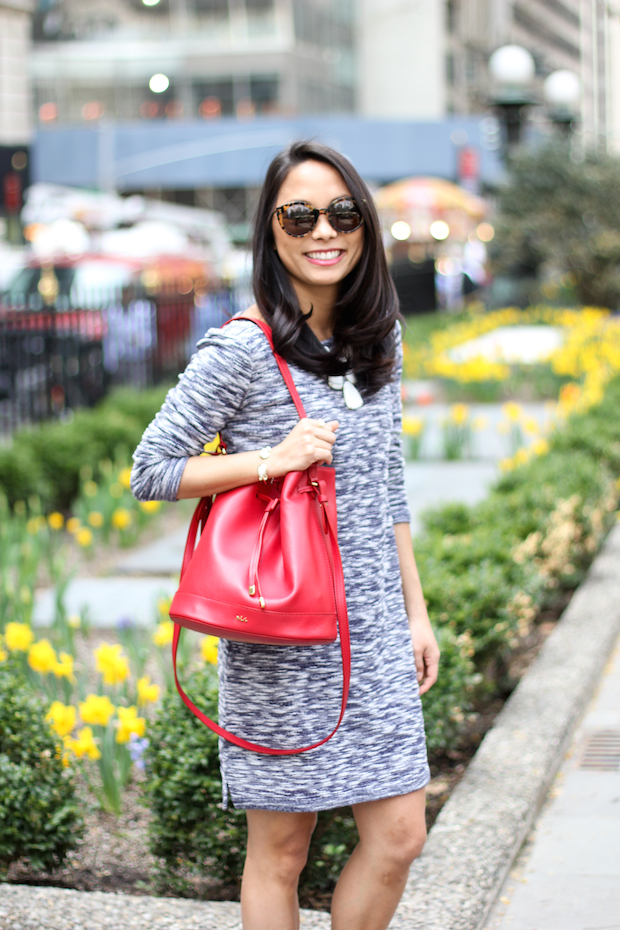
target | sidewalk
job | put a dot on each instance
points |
(568, 874)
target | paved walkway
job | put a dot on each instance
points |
(150, 571)
(568, 874)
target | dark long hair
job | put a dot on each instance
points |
(367, 305)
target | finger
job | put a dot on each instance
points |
(419, 664)
(325, 435)
(431, 673)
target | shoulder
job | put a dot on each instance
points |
(238, 337)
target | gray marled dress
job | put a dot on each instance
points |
(286, 696)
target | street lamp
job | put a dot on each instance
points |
(562, 91)
(512, 69)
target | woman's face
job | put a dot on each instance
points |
(324, 256)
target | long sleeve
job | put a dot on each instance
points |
(210, 391)
(396, 465)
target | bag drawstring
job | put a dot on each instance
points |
(254, 587)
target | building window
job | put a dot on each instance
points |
(450, 69)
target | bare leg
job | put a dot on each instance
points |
(392, 834)
(277, 852)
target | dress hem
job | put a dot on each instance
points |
(285, 805)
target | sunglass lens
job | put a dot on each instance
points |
(297, 219)
(345, 216)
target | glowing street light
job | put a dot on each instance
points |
(401, 230)
(439, 230)
(512, 70)
(562, 91)
(159, 83)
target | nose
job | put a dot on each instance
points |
(323, 229)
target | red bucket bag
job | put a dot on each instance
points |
(266, 569)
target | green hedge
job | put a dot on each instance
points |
(46, 460)
(39, 814)
(487, 571)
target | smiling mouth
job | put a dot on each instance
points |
(324, 256)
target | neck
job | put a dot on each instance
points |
(321, 300)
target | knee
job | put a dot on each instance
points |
(287, 854)
(401, 847)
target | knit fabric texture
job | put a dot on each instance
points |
(284, 696)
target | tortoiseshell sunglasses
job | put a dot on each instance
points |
(299, 218)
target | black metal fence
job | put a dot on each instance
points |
(60, 357)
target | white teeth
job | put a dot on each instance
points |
(326, 256)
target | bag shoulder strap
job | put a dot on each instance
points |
(284, 369)
(200, 515)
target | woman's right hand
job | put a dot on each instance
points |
(310, 442)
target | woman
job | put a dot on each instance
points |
(321, 282)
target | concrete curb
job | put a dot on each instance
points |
(479, 831)
(482, 827)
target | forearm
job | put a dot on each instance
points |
(412, 587)
(205, 475)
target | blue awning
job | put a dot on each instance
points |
(229, 152)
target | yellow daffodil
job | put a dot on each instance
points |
(459, 413)
(56, 520)
(3, 653)
(412, 426)
(128, 723)
(110, 661)
(61, 717)
(84, 537)
(208, 649)
(150, 506)
(530, 426)
(18, 636)
(95, 519)
(521, 456)
(90, 488)
(84, 745)
(74, 621)
(506, 465)
(33, 526)
(164, 632)
(540, 447)
(479, 423)
(163, 606)
(97, 709)
(42, 657)
(512, 411)
(64, 667)
(121, 518)
(147, 693)
(74, 524)
(124, 477)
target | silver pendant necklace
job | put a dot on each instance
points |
(346, 383)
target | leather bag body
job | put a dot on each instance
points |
(266, 569)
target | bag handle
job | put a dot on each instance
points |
(200, 514)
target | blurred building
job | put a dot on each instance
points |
(426, 59)
(219, 57)
(187, 100)
(181, 60)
